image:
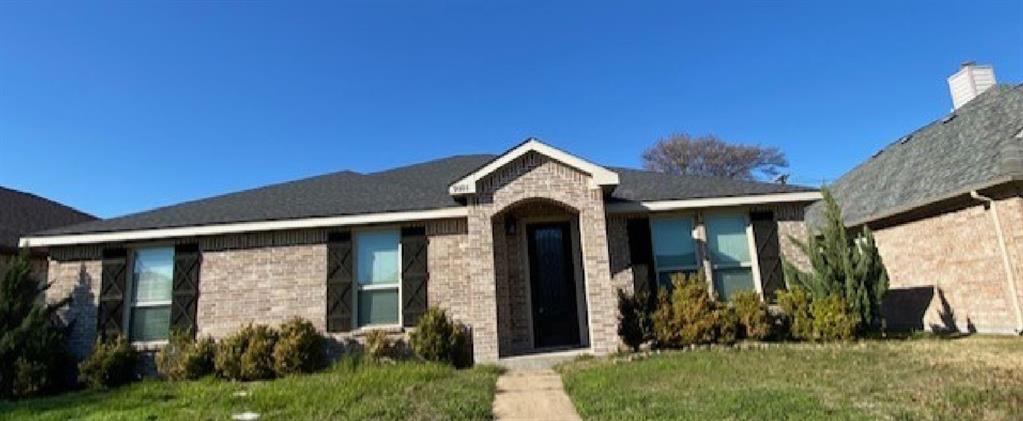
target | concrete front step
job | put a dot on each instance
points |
(540, 361)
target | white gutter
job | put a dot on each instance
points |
(242, 227)
(1010, 276)
(665, 205)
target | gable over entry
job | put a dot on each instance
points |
(503, 198)
(599, 176)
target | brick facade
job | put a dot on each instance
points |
(946, 271)
(478, 272)
(531, 177)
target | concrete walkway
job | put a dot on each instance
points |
(532, 394)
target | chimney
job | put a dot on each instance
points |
(971, 80)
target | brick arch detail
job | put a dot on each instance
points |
(537, 177)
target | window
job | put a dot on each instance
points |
(674, 248)
(378, 261)
(729, 251)
(151, 283)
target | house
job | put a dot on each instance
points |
(23, 213)
(945, 205)
(527, 248)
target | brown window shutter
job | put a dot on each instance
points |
(641, 255)
(414, 274)
(765, 235)
(185, 296)
(110, 317)
(340, 276)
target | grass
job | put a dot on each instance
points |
(348, 390)
(918, 378)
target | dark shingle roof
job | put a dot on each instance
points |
(639, 185)
(23, 213)
(976, 144)
(415, 187)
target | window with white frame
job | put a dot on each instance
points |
(674, 248)
(151, 283)
(378, 268)
(728, 248)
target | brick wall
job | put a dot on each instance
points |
(258, 278)
(947, 271)
(448, 265)
(262, 285)
(79, 279)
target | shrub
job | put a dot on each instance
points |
(184, 358)
(795, 307)
(726, 324)
(833, 319)
(689, 316)
(248, 354)
(33, 348)
(754, 319)
(379, 345)
(635, 324)
(112, 363)
(666, 327)
(299, 349)
(438, 338)
(844, 265)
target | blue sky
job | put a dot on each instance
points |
(119, 107)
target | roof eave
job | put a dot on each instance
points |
(241, 227)
(900, 210)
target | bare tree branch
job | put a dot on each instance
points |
(708, 155)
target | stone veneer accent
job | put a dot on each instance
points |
(534, 176)
(953, 257)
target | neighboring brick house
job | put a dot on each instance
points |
(527, 248)
(945, 205)
(25, 213)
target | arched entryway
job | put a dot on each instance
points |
(539, 278)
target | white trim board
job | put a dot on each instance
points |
(385, 217)
(600, 176)
(242, 227)
(711, 202)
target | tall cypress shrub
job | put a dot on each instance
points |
(843, 265)
(33, 350)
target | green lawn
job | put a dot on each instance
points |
(969, 378)
(346, 391)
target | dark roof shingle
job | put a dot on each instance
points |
(416, 187)
(976, 144)
(23, 213)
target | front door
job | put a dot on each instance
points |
(552, 282)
